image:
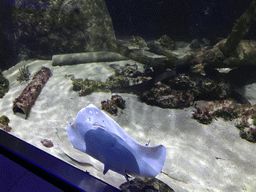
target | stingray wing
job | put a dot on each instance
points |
(97, 134)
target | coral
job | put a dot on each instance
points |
(183, 90)
(146, 184)
(111, 106)
(247, 122)
(4, 120)
(203, 116)
(86, 87)
(24, 74)
(118, 101)
(174, 91)
(164, 96)
(128, 70)
(4, 85)
(117, 81)
(249, 134)
(206, 111)
(227, 109)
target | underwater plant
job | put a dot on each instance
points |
(24, 74)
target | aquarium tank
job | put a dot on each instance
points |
(128, 95)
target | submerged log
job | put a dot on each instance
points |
(27, 98)
(89, 57)
(242, 26)
(233, 51)
(161, 63)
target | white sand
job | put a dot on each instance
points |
(192, 148)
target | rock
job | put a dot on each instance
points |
(182, 90)
(118, 101)
(164, 96)
(86, 86)
(228, 109)
(195, 44)
(111, 106)
(47, 143)
(247, 122)
(117, 81)
(4, 120)
(138, 42)
(50, 27)
(249, 134)
(146, 185)
(4, 85)
(206, 111)
(166, 42)
(6, 128)
(128, 70)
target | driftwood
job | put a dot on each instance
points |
(233, 51)
(161, 63)
(240, 29)
(228, 53)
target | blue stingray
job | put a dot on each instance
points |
(96, 134)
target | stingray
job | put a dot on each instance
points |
(95, 133)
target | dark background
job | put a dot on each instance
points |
(179, 19)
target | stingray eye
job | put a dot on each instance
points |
(89, 118)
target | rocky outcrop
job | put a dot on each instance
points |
(50, 27)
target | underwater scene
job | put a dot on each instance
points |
(145, 95)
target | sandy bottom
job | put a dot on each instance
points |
(199, 157)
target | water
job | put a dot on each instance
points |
(199, 157)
